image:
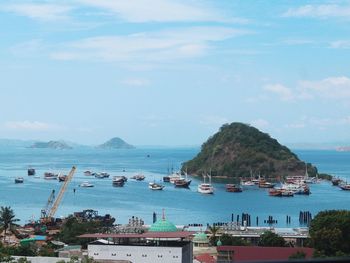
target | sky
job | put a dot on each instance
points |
(171, 72)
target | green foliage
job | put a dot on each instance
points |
(72, 228)
(228, 240)
(270, 239)
(7, 218)
(324, 176)
(239, 148)
(330, 232)
(298, 255)
(213, 230)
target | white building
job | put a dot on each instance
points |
(162, 243)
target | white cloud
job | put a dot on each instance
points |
(282, 91)
(160, 11)
(336, 88)
(30, 125)
(150, 46)
(333, 87)
(40, 11)
(136, 82)
(345, 44)
(260, 123)
(319, 11)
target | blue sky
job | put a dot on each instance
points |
(171, 72)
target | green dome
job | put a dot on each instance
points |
(163, 225)
(200, 238)
(219, 243)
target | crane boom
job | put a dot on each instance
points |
(61, 193)
(49, 203)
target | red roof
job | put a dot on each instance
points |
(179, 234)
(205, 258)
(264, 253)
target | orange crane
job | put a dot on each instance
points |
(49, 212)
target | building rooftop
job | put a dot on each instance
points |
(178, 234)
(249, 253)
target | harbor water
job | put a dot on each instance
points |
(182, 206)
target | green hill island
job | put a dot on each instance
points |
(239, 150)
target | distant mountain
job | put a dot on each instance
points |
(61, 145)
(239, 149)
(116, 143)
(343, 149)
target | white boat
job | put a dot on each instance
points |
(248, 183)
(86, 184)
(88, 173)
(175, 177)
(206, 188)
(155, 186)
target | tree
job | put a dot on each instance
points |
(270, 239)
(330, 233)
(213, 230)
(228, 240)
(7, 218)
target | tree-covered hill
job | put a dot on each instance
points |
(239, 149)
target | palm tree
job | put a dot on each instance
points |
(7, 218)
(213, 230)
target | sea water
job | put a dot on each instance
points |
(182, 206)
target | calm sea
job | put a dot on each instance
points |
(182, 206)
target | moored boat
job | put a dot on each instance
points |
(62, 178)
(206, 188)
(88, 173)
(233, 188)
(19, 180)
(118, 181)
(336, 181)
(50, 176)
(31, 171)
(182, 183)
(345, 186)
(155, 186)
(86, 184)
(138, 177)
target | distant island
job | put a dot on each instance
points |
(116, 143)
(61, 145)
(343, 149)
(239, 150)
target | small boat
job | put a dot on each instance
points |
(86, 184)
(281, 192)
(31, 171)
(50, 176)
(248, 183)
(345, 186)
(101, 175)
(138, 177)
(155, 186)
(264, 184)
(62, 177)
(336, 181)
(206, 188)
(88, 173)
(104, 174)
(184, 183)
(19, 180)
(118, 181)
(233, 188)
(174, 177)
